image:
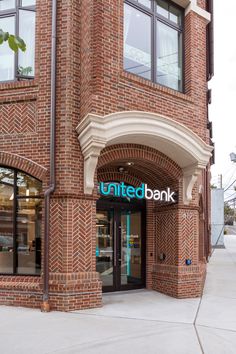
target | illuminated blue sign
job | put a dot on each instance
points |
(143, 192)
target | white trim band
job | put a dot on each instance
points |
(191, 5)
(198, 10)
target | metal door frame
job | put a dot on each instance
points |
(117, 208)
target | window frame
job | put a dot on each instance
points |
(15, 12)
(153, 14)
(14, 221)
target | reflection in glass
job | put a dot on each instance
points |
(29, 219)
(169, 12)
(6, 5)
(169, 58)
(20, 223)
(28, 2)
(146, 3)
(162, 8)
(137, 42)
(131, 248)
(175, 15)
(27, 31)
(6, 225)
(6, 176)
(104, 246)
(7, 58)
(27, 185)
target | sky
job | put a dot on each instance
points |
(223, 108)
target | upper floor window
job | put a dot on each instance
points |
(153, 35)
(20, 222)
(17, 17)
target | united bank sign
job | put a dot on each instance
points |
(142, 192)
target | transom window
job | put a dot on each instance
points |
(18, 17)
(153, 31)
(20, 223)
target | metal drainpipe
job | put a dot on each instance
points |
(52, 184)
(210, 56)
(207, 235)
(210, 29)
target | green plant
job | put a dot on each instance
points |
(14, 42)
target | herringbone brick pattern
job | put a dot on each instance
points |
(72, 235)
(188, 236)
(83, 235)
(167, 235)
(57, 234)
(18, 118)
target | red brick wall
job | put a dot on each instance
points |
(119, 91)
(202, 3)
(90, 79)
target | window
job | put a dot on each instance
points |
(153, 35)
(18, 17)
(20, 223)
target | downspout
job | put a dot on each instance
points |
(52, 182)
(210, 74)
(207, 239)
(210, 40)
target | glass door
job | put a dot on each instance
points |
(120, 247)
(130, 249)
(105, 247)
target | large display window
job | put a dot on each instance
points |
(20, 222)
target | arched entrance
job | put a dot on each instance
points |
(126, 246)
(164, 155)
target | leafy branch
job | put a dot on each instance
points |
(14, 42)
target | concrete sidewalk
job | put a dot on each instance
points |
(135, 322)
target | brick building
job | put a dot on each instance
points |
(108, 94)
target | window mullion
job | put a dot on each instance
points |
(154, 48)
(17, 33)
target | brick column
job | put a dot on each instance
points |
(150, 242)
(177, 233)
(74, 283)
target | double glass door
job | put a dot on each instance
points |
(120, 251)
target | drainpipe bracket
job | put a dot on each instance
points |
(45, 307)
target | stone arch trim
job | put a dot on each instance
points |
(21, 163)
(171, 138)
